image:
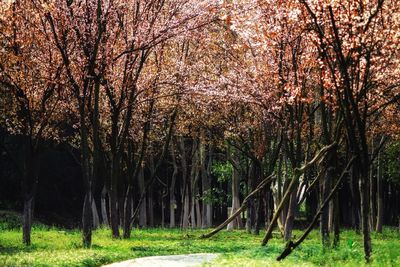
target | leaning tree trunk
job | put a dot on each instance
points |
(290, 246)
(290, 189)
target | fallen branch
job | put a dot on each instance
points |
(242, 208)
(292, 245)
(297, 173)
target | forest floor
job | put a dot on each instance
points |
(57, 247)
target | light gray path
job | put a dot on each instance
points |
(188, 260)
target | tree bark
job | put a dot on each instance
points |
(127, 213)
(379, 197)
(206, 186)
(87, 219)
(27, 220)
(291, 213)
(143, 205)
(103, 201)
(236, 223)
(172, 198)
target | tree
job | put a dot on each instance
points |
(31, 74)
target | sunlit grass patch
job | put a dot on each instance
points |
(57, 247)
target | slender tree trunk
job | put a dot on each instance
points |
(259, 213)
(127, 212)
(194, 174)
(235, 224)
(186, 207)
(291, 214)
(185, 187)
(143, 206)
(206, 186)
(379, 197)
(27, 220)
(330, 161)
(365, 208)
(355, 200)
(150, 207)
(87, 219)
(336, 221)
(96, 219)
(103, 201)
(372, 199)
(114, 216)
(172, 198)
(251, 209)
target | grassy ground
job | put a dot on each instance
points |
(55, 247)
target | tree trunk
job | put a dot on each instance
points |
(87, 220)
(143, 209)
(96, 219)
(379, 196)
(27, 219)
(194, 174)
(186, 207)
(336, 221)
(150, 207)
(291, 214)
(185, 187)
(355, 200)
(172, 198)
(127, 213)
(372, 200)
(364, 192)
(235, 224)
(330, 172)
(103, 201)
(114, 216)
(206, 187)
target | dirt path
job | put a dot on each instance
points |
(188, 260)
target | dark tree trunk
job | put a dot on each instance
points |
(113, 196)
(330, 162)
(27, 219)
(127, 213)
(336, 221)
(185, 187)
(379, 196)
(172, 198)
(103, 201)
(291, 214)
(87, 218)
(143, 205)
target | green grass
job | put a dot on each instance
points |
(55, 247)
